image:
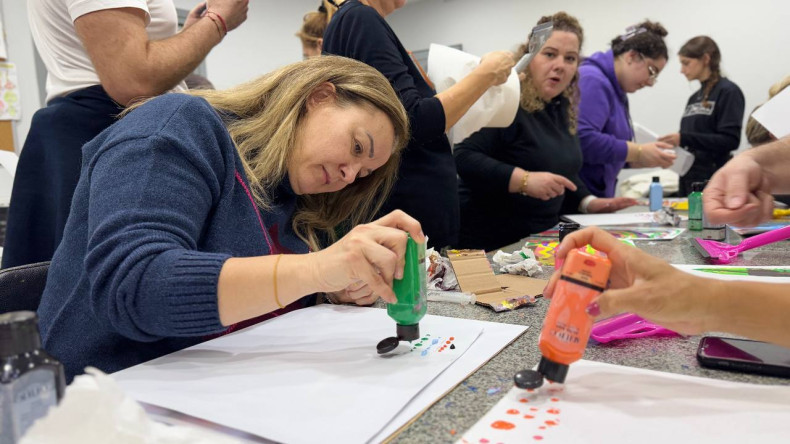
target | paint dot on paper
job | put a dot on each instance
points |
(530, 390)
(484, 441)
(555, 399)
(553, 411)
(523, 400)
(452, 432)
(529, 417)
(534, 409)
(452, 338)
(513, 412)
(502, 425)
(551, 423)
(537, 437)
(542, 427)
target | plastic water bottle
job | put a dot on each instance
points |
(656, 194)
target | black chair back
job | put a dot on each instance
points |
(21, 287)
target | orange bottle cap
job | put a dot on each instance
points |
(592, 268)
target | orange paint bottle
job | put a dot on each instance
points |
(566, 328)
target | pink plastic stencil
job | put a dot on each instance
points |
(625, 326)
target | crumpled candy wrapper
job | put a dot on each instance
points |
(96, 410)
(440, 272)
(521, 262)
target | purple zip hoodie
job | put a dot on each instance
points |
(604, 124)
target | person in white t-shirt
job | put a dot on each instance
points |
(100, 56)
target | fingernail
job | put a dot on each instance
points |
(399, 274)
(593, 309)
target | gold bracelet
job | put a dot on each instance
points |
(274, 279)
(523, 189)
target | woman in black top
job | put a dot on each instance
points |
(427, 187)
(513, 179)
(711, 124)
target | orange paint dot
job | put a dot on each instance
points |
(553, 411)
(452, 338)
(523, 400)
(529, 417)
(555, 399)
(448, 342)
(513, 412)
(537, 437)
(452, 432)
(534, 409)
(530, 390)
(551, 423)
(502, 425)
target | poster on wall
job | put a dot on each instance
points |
(9, 92)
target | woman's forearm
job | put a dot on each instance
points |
(457, 99)
(753, 309)
(246, 285)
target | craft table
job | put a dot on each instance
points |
(453, 414)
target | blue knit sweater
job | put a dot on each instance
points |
(161, 204)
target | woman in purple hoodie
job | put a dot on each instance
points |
(605, 130)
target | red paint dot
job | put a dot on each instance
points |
(542, 427)
(529, 417)
(484, 441)
(502, 425)
(551, 423)
(555, 399)
(513, 412)
(537, 437)
(553, 411)
(523, 400)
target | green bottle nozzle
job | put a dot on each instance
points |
(411, 292)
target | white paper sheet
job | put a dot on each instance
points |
(496, 108)
(495, 336)
(611, 218)
(604, 403)
(773, 114)
(779, 274)
(312, 375)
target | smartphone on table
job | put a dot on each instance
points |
(744, 355)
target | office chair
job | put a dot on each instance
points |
(21, 287)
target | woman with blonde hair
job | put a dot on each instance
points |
(312, 31)
(197, 214)
(516, 181)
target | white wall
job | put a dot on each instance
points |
(753, 36)
(20, 51)
(264, 42)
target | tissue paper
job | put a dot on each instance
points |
(495, 109)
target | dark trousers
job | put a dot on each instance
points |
(701, 170)
(48, 171)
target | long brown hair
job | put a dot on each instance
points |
(267, 114)
(530, 97)
(696, 48)
(314, 25)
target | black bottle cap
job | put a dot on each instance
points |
(528, 379)
(387, 345)
(566, 228)
(553, 371)
(408, 332)
(697, 186)
(655, 179)
(19, 333)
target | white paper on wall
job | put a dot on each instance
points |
(495, 109)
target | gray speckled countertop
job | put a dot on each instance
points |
(452, 415)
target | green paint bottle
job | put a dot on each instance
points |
(411, 292)
(695, 206)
